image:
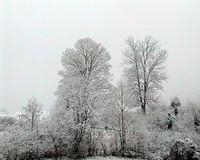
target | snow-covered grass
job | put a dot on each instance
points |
(100, 158)
(108, 158)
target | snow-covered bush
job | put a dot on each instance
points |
(17, 142)
(148, 134)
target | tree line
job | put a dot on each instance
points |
(86, 99)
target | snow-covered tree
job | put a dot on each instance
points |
(175, 103)
(84, 84)
(196, 115)
(32, 112)
(145, 68)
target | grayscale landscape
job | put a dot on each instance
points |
(99, 80)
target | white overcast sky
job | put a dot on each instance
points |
(34, 33)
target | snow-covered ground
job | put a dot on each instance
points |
(100, 158)
(108, 158)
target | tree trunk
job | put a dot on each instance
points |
(55, 147)
(77, 139)
(145, 98)
(143, 106)
(32, 121)
(56, 151)
(123, 131)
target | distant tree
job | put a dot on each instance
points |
(175, 103)
(196, 115)
(84, 84)
(145, 68)
(32, 112)
(170, 121)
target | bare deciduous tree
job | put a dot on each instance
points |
(144, 72)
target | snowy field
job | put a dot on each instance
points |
(108, 158)
(99, 158)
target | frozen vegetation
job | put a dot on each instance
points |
(92, 118)
(100, 158)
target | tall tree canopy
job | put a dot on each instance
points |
(145, 68)
(85, 82)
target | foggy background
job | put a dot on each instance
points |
(34, 33)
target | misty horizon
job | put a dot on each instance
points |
(34, 36)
